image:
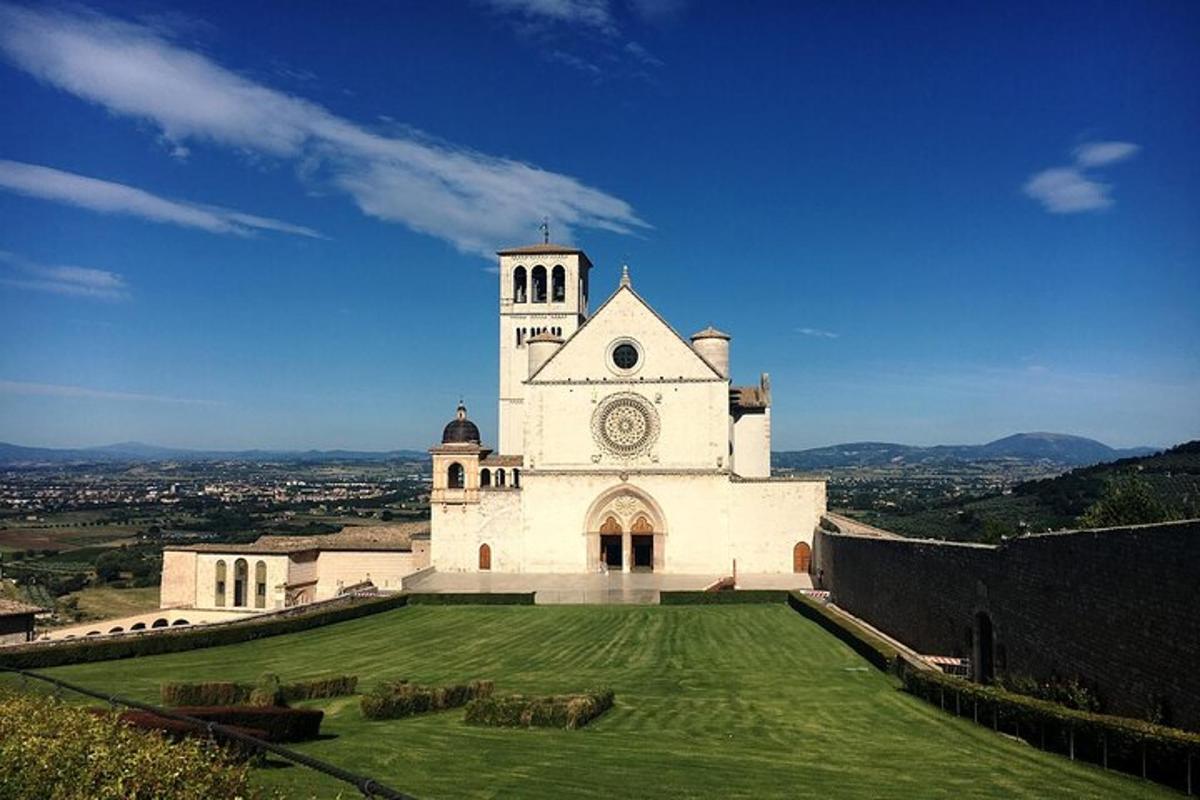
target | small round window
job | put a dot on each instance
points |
(625, 356)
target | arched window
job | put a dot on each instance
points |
(158, 623)
(538, 290)
(519, 285)
(516, 477)
(519, 337)
(219, 591)
(260, 584)
(499, 477)
(240, 574)
(485, 477)
(485, 557)
(558, 284)
(454, 476)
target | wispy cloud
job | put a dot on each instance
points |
(76, 281)
(560, 28)
(817, 333)
(58, 390)
(1069, 189)
(468, 198)
(594, 14)
(107, 197)
(1097, 154)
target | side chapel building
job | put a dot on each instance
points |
(622, 445)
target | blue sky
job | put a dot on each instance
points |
(267, 224)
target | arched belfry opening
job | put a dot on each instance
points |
(519, 285)
(625, 531)
(558, 284)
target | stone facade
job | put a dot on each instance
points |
(1116, 609)
(633, 450)
(282, 571)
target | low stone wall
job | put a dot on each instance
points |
(1118, 609)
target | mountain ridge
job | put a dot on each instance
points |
(1058, 448)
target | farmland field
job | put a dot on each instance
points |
(735, 701)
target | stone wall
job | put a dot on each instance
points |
(1118, 609)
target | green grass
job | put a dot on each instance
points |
(728, 701)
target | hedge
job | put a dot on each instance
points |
(471, 599)
(568, 711)
(874, 649)
(267, 691)
(404, 699)
(279, 724)
(178, 730)
(33, 656)
(1156, 752)
(735, 597)
(49, 749)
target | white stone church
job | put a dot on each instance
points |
(623, 448)
(622, 445)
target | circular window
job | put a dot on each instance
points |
(625, 425)
(625, 356)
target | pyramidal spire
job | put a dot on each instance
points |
(625, 276)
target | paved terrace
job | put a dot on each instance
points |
(593, 588)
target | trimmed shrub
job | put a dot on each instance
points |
(735, 597)
(279, 724)
(568, 711)
(165, 640)
(220, 693)
(52, 750)
(267, 691)
(397, 699)
(866, 644)
(471, 599)
(177, 731)
(318, 688)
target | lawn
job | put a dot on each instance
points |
(106, 602)
(729, 701)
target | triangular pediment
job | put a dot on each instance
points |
(662, 353)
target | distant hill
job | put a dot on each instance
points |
(1173, 477)
(1054, 448)
(132, 452)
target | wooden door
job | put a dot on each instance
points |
(801, 557)
(485, 557)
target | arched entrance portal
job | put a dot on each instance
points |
(801, 557)
(625, 531)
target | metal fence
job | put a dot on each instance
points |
(369, 787)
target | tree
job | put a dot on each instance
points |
(1127, 500)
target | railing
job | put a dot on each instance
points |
(368, 787)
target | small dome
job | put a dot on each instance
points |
(710, 333)
(460, 430)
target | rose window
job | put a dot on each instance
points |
(625, 425)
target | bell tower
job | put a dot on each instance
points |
(543, 289)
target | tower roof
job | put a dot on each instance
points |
(460, 430)
(710, 333)
(541, 248)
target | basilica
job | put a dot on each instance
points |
(622, 446)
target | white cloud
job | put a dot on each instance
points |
(107, 197)
(642, 54)
(1065, 190)
(1069, 190)
(1097, 154)
(589, 13)
(58, 390)
(77, 281)
(473, 200)
(817, 333)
